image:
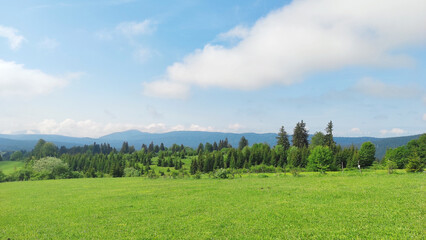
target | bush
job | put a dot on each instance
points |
(131, 172)
(50, 167)
(391, 165)
(2, 176)
(152, 174)
(262, 168)
(295, 171)
(21, 175)
(415, 164)
(377, 166)
(221, 173)
(197, 175)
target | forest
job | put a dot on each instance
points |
(217, 159)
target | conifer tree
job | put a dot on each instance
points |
(329, 141)
(243, 142)
(300, 135)
(282, 139)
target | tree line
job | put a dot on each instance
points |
(321, 153)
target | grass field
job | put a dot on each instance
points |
(335, 206)
(8, 167)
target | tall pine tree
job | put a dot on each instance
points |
(300, 135)
(282, 139)
(329, 141)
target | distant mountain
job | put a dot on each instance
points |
(187, 138)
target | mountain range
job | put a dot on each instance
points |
(13, 142)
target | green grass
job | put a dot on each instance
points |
(334, 206)
(10, 166)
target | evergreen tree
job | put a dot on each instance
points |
(282, 139)
(144, 148)
(300, 135)
(151, 147)
(125, 147)
(215, 147)
(329, 141)
(200, 148)
(243, 142)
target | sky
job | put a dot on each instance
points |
(90, 68)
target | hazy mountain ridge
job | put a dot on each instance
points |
(187, 138)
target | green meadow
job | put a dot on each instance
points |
(275, 206)
(8, 167)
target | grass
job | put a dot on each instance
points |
(10, 166)
(334, 206)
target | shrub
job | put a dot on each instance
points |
(295, 171)
(152, 174)
(415, 164)
(2, 176)
(51, 167)
(221, 173)
(391, 165)
(262, 168)
(21, 175)
(131, 172)
(197, 175)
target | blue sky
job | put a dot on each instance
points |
(89, 68)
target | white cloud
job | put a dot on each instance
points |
(238, 32)
(235, 127)
(166, 89)
(395, 131)
(424, 116)
(49, 43)
(304, 37)
(90, 128)
(136, 28)
(16, 80)
(376, 88)
(12, 36)
(355, 130)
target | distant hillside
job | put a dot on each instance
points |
(187, 138)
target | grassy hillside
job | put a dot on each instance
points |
(10, 166)
(334, 206)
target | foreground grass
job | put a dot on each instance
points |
(7, 167)
(373, 206)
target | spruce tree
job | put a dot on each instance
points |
(329, 141)
(243, 142)
(282, 139)
(300, 135)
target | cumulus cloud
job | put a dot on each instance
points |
(375, 88)
(16, 80)
(304, 37)
(12, 36)
(396, 131)
(238, 32)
